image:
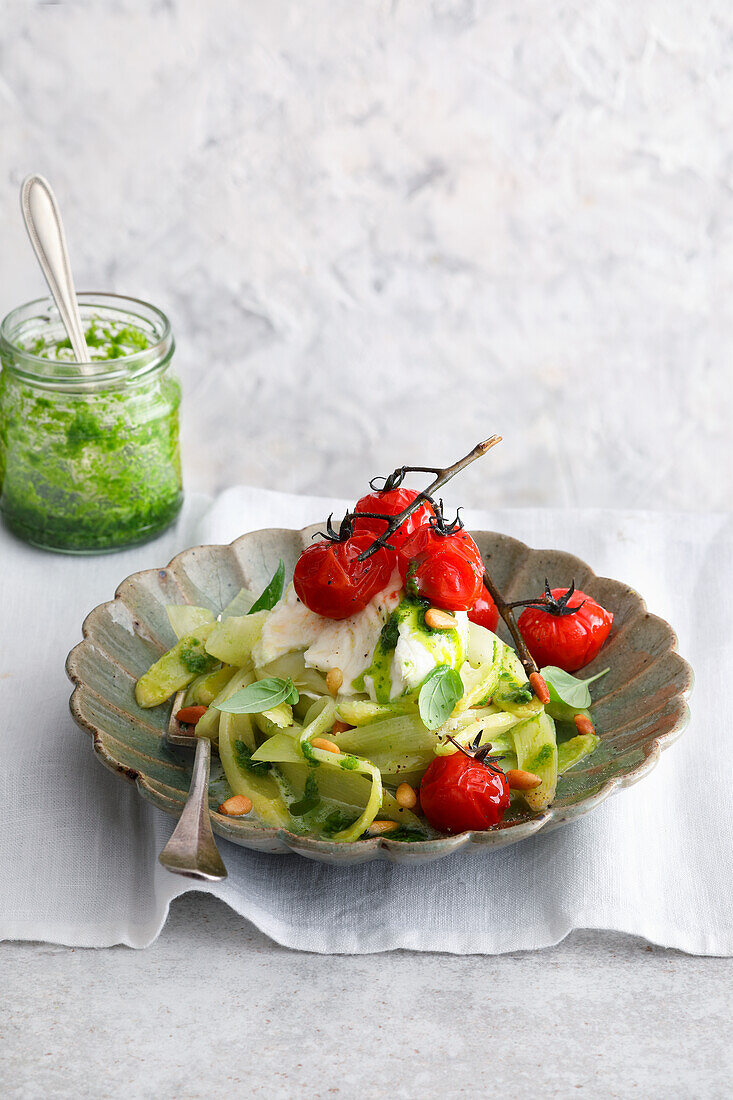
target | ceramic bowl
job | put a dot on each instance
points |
(639, 707)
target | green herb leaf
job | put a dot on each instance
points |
(311, 798)
(568, 689)
(262, 695)
(272, 593)
(441, 689)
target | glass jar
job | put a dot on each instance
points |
(89, 453)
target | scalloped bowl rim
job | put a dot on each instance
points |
(279, 840)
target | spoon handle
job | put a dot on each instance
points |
(46, 231)
(192, 850)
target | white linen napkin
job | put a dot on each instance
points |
(79, 847)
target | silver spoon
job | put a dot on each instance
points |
(192, 850)
(46, 231)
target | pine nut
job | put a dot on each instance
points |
(439, 620)
(539, 687)
(236, 806)
(583, 724)
(327, 746)
(378, 827)
(340, 727)
(191, 715)
(519, 780)
(334, 680)
(406, 796)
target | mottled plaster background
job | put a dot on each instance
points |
(384, 230)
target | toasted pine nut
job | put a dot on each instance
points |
(334, 680)
(191, 715)
(522, 781)
(439, 620)
(378, 827)
(539, 687)
(236, 806)
(583, 724)
(340, 727)
(327, 746)
(406, 796)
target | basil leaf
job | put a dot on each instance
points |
(272, 593)
(262, 695)
(568, 689)
(441, 689)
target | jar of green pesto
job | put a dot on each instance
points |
(89, 453)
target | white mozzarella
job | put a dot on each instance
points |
(347, 644)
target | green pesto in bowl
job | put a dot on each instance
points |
(89, 454)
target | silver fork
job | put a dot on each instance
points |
(192, 850)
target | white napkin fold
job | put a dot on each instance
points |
(78, 846)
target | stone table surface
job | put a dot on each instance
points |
(214, 1009)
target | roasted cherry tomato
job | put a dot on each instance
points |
(458, 793)
(567, 641)
(330, 579)
(390, 503)
(445, 569)
(484, 611)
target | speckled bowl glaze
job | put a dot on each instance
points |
(639, 706)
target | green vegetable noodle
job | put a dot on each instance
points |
(348, 763)
(175, 669)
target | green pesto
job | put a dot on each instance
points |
(196, 660)
(337, 821)
(310, 755)
(512, 690)
(348, 763)
(445, 645)
(407, 834)
(109, 341)
(243, 756)
(542, 757)
(310, 800)
(90, 471)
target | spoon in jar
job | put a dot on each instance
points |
(46, 231)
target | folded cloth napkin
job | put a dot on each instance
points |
(79, 846)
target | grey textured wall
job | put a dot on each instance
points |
(384, 230)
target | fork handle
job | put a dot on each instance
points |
(192, 850)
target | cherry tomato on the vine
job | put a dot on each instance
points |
(330, 579)
(445, 569)
(567, 641)
(484, 612)
(458, 793)
(391, 502)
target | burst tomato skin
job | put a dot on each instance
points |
(391, 503)
(445, 569)
(484, 612)
(330, 580)
(567, 641)
(458, 793)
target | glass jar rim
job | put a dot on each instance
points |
(55, 372)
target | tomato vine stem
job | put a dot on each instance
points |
(536, 680)
(442, 475)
